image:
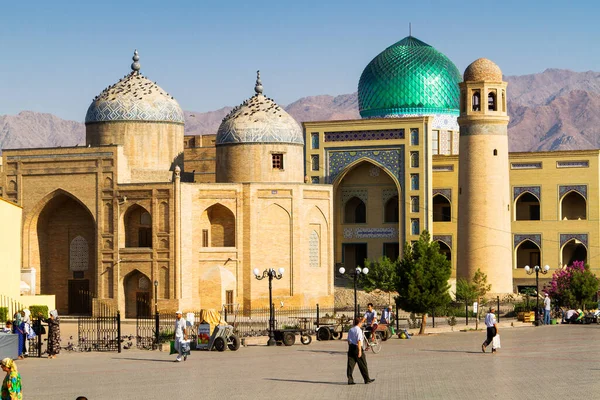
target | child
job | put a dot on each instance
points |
(7, 328)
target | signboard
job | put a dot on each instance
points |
(203, 336)
(370, 233)
(475, 307)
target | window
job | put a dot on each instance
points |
(414, 204)
(314, 179)
(495, 152)
(391, 210)
(229, 301)
(463, 101)
(414, 226)
(314, 160)
(355, 211)
(145, 237)
(503, 102)
(476, 100)
(448, 142)
(414, 137)
(314, 140)
(391, 250)
(492, 100)
(414, 181)
(442, 211)
(414, 159)
(435, 142)
(204, 237)
(277, 161)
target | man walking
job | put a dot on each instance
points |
(180, 336)
(546, 310)
(492, 329)
(356, 354)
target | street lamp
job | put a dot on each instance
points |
(270, 273)
(155, 297)
(357, 272)
(537, 270)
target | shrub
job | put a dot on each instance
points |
(3, 314)
(37, 309)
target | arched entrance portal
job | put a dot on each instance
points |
(573, 250)
(62, 240)
(136, 288)
(369, 208)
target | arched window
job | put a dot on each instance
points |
(355, 211)
(528, 253)
(414, 226)
(573, 250)
(414, 204)
(492, 101)
(414, 137)
(495, 152)
(414, 159)
(138, 227)
(476, 100)
(414, 181)
(527, 208)
(442, 210)
(503, 101)
(445, 250)
(573, 207)
(391, 212)
(222, 226)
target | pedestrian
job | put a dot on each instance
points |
(546, 309)
(53, 334)
(18, 326)
(7, 327)
(27, 331)
(356, 354)
(180, 336)
(11, 385)
(492, 329)
(386, 315)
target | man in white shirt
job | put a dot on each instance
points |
(370, 321)
(386, 316)
(492, 329)
(356, 354)
(546, 310)
(180, 335)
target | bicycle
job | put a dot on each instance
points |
(372, 341)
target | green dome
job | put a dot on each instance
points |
(409, 77)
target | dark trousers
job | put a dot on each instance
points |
(491, 332)
(353, 359)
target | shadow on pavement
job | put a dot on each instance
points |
(325, 351)
(142, 359)
(453, 351)
(305, 381)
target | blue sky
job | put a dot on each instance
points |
(55, 56)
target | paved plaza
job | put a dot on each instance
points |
(547, 362)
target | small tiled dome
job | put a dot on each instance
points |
(134, 98)
(483, 69)
(259, 120)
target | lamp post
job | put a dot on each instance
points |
(357, 272)
(537, 270)
(270, 273)
(155, 296)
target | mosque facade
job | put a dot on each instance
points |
(143, 216)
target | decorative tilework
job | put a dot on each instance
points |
(534, 190)
(565, 237)
(259, 120)
(520, 238)
(134, 98)
(572, 164)
(447, 239)
(313, 249)
(370, 233)
(79, 254)
(391, 159)
(364, 135)
(440, 121)
(388, 194)
(374, 171)
(347, 194)
(581, 189)
(445, 192)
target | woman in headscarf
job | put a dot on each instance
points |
(53, 334)
(11, 386)
(18, 326)
(26, 314)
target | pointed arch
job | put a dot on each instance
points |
(573, 250)
(527, 207)
(222, 225)
(137, 227)
(136, 294)
(355, 211)
(442, 208)
(573, 206)
(391, 211)
(445, 249)
(340, 177)
(527, 253)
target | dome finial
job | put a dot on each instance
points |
(258, 87)
(410, 29)
(135, 66)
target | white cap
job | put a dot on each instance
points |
(178, 312)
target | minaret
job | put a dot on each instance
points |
(484, 207)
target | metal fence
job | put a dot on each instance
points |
(101, 332)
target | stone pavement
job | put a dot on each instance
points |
(547, 362)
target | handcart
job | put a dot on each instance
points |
(288, 336)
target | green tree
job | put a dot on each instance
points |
(466, 292)
(423, 275)
(584, 286)
(382, 275)
(481, 286)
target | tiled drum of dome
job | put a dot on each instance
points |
(409, 77)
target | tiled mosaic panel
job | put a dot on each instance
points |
(520, 238)
(409, 77)
(444, 238)
(392, 160)
(581, 189)
(565, 237)
(364, 135)
(534, 190)
(347, 194)
(313, 249)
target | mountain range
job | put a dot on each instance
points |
(552, 110)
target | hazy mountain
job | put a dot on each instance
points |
(552, 110)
